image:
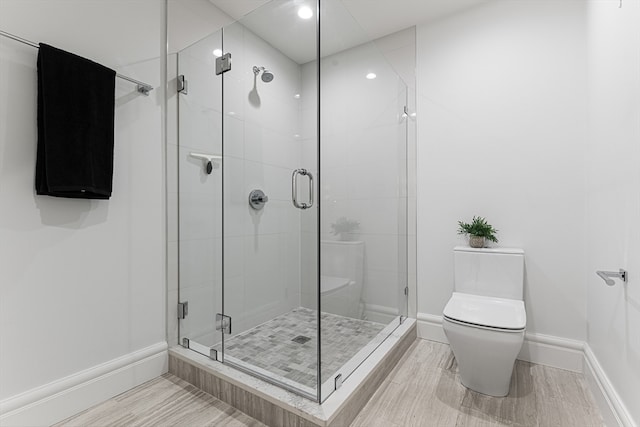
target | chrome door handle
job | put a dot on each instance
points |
(294, 188)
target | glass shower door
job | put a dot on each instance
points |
(363, 153)
(200, 171)
(270, 218)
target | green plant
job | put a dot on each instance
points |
(478, 227)
(344, 225)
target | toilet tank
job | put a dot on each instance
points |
(495, 272)
(342, 259)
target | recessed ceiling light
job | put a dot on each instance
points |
(296, 96)
(371, 76)
(305, 12)
(217, 53)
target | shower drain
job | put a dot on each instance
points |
(301, 339)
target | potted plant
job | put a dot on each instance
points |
(478, 231)
(343, 227)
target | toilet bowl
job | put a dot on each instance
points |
(485, 318)
(341, 277)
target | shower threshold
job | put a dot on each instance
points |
(253, 390)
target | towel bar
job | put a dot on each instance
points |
(142, 87)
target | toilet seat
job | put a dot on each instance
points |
(494, 313)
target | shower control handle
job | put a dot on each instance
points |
(257, 199)
(294, 188)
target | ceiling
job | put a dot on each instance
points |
(376, 17)
(345, 23)
(381, 17)
(352, 22)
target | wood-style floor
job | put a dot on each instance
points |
(423, 390)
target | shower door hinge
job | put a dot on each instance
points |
(223, 323)
(185, 342)
(183, 309)
(223, 64)
(181, 84)
(338, 381)
(406, 290)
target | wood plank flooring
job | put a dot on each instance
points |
(164, 401)
(422, 390)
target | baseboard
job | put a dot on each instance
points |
(537, 348)
(614, 412)
(552, 351)
(430, 328)
(63, 398)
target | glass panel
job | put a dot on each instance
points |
(363, 262)
(402, 201)
(270, 279)
(200, 194)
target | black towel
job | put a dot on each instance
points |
(75, 126)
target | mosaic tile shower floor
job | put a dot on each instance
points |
(271, 345)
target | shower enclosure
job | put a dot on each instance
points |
(292, 166)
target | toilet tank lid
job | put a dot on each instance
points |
(480, 310)
(516, 251)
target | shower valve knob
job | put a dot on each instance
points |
(257, 199)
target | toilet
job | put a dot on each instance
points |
(485, 318)
(341, 277)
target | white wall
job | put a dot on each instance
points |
(82, 281)
(501, 134)
(613, 313)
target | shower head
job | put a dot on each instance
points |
(267, 75)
